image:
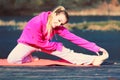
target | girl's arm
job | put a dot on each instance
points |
(63, 32)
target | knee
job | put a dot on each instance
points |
(13, 61)
(9, 60)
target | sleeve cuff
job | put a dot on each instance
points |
(96, 48)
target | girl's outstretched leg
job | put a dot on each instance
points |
(78, 58)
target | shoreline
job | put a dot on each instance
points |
(94, 13)
(95, 26)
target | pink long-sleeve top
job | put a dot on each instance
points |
(34, 34)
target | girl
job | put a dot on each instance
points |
(37, 36)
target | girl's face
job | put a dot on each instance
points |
(58, 20)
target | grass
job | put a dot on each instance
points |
(110, 25)
(100, 26)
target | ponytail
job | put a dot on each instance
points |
(58, 9)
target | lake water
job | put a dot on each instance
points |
(106, 72)
(108, 40)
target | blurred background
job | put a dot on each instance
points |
(95, 20)
(75, 7)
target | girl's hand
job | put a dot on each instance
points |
(104, 53)
(100, 58)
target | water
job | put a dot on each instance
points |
(109, 40)
(106, 72)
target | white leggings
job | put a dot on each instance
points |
(22, 54)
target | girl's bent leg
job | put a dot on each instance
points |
(21, 54)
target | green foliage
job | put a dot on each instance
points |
(101, 26)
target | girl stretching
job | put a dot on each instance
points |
(37, 36)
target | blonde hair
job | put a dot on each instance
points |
(57, 10)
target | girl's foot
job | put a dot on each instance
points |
(99, 59)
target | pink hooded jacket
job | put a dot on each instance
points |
(34, 35)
